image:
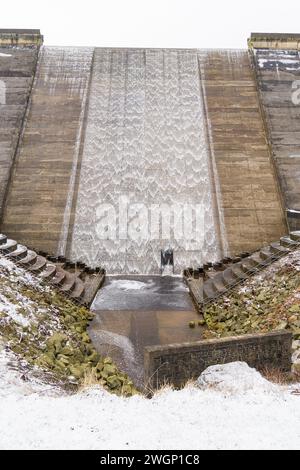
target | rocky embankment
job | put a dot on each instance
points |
(48, 334)
(269, 301)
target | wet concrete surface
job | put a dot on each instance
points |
(143, 292)
(137, 311)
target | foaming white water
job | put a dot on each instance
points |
(146, 140)
(129, 285)
(110, 340)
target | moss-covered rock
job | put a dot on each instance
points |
(54, 337)
(262, 305)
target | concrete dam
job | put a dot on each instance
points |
(112, 156)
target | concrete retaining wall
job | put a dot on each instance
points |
(178, 363)
(39, 202)
(249, 193)
(17, 68)
(277, 62)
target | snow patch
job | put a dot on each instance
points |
(192, 418)
(16, 385)
(234, 377)
(277, 62)
(11, 311)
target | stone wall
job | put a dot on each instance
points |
(277, 63)
(178, 363)
(17, 68)
(249, 193)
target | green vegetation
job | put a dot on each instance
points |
(53, 335)
(267, 303)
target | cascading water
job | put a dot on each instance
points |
(145, 163)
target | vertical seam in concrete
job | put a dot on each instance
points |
(213, 171)
(266, 129)
(69, 237)
(21, 134)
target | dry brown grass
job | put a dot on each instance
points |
(89, 380)
(149, 391)
(278, 377)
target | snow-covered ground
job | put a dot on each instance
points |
(232, 407)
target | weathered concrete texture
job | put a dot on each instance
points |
(17, 68)
(276, 72)
(274, 41)
(249, 193)
(178, 363)
(20, 37)
(99, 154)
(40, 194)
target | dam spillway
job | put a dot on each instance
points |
(145, 142)
(147, 127)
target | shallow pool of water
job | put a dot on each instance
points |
(133, 312)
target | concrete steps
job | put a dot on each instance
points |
(295, 236)
(69, 283)
(217, 279)
(8, 247)
(29, 260)
(209, 290)
(39, 265)
(48, 272)
(75, 280)
(78, 290)
(59, 277)
(277, 248)
(288, 242)
(19, 253)
(3, 239)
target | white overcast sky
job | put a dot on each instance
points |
(151, 23)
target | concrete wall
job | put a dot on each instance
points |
(21, 37)
(177, 363)
(277, 63)
(39, 201)
(249, 192)
(17, 68)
